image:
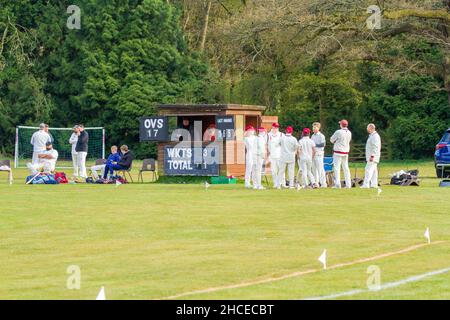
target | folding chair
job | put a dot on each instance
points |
(148, 165)
(125, 171)
(5, 166)
(329, 172)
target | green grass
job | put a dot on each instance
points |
(148, 241)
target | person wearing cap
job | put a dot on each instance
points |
(73, 141)
(82, 149)
(251, 149)
(210, 133)
(318, 168)
(47, 160)
(289, 146)
(306, 153)
(274, 148)
(341, 149)
(373, 155)
(38, 140)
(261, 154)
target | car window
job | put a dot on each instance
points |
(446, 138)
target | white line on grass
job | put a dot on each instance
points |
(384, 286)
(301, 273)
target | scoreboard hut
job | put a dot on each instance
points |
(216, 131)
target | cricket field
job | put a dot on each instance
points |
(175, 241)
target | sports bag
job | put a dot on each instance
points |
(61, 177)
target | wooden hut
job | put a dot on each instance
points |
(227, 123)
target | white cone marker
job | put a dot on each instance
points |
(427, 235)
(101, 295)
(206, 185)
(379, 191)
(323, 259)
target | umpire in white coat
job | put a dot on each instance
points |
(373, 154)
(341, 140)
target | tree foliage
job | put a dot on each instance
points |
(127, 56)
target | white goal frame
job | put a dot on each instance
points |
(16, 146)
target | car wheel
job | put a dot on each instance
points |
(439, 173)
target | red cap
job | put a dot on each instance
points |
(343, 123)
(212, 126)
(275, 125)
(289, 129)
(261, 129)
(249, 127)
(306, 131)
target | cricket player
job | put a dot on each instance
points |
(318, 168)
(274, 148)
(341, 140)
(250, 156)
(289, 146)
(261, 154)
(306, 153)
(73, 141)
(46, 160)
(46, 129)
(373, 154)
(39, 140)
(81, 148)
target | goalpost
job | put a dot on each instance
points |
(24, 149)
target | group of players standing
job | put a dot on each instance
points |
(281, 150)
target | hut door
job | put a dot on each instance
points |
(252, 121)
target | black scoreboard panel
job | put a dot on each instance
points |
(225, 125)
(154, 129)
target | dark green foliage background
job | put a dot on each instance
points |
(132, 54)
(127, 56)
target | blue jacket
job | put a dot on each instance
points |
(113, 158)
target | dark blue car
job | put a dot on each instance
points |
(442, 156)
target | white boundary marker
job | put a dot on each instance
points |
(300, 273)
(383, 286)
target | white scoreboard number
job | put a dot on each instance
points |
(153, 129)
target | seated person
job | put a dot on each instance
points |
(46, 160)
(210, 133)
(124, 163)
(114, 157)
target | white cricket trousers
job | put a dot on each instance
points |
(371, 175)
(258, 172)
(94, 170)
(81, 157)
(319, 170)
(250, 174)
(75, 164)
(341, 160)
(291, 172)
(306, 167)
(38, 167)
(275, 169)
